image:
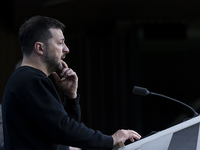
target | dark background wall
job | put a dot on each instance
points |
(115, 45)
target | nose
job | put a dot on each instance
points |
(65, 49)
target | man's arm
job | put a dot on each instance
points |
(69, 84)
(73, 108)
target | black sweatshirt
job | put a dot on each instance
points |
(34, 118)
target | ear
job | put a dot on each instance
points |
(39, 48)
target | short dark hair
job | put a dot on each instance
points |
(36, 29)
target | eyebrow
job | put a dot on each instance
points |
(62, 39)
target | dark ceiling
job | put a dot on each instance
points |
(79, 13)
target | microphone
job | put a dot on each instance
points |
(143, 91)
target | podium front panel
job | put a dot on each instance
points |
(184, 136)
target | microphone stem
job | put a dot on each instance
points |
(167, 97)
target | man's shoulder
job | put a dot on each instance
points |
(25, 77)
(26, 70)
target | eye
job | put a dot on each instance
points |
(62, 42)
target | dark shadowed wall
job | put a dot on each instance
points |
(115, 45)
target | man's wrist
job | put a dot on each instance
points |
(72, 96)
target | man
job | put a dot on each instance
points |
(34, 117)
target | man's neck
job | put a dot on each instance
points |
(35, 63)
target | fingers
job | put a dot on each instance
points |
(56, 77)
(123, 135)
(133, 135)
(64, 64)
(68, 82)
(67, 72)
(132, 139)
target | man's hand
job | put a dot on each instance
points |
(68, 81)
(123, 135)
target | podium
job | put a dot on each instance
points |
(183, 136)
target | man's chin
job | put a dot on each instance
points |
(60, 67)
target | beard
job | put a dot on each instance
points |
(52, 63)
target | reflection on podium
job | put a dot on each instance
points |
(184, 136)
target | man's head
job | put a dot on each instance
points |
(36, 29)
(43, 43)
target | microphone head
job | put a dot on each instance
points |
(140, 90)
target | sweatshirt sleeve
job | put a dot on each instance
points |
(45, 110)
(73, 108)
